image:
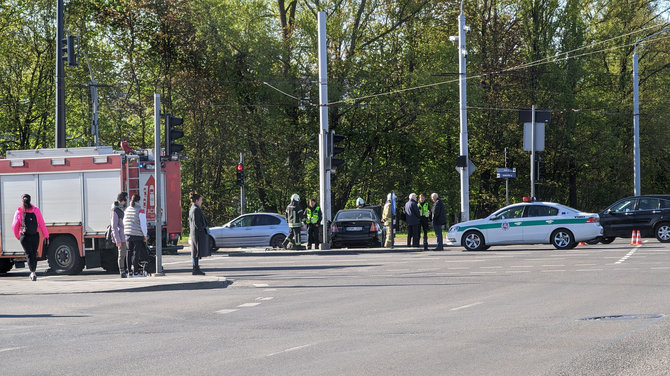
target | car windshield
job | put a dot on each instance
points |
(354, 215)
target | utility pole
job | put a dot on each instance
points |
(462, 86)
(324, 173)
(60, 79)
(242, 186)
(158, 193)
(506, 182)
(636, 116)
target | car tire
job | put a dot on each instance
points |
(563, 239)
(63, 256)
(593, 241)
(473, 241)
(607, 240)
(663, 232)
(277, 241)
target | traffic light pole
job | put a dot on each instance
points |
(60, 79)
(159, 185)
(324, 174)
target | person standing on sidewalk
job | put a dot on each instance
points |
(424, 219)
(199, 236)
(387, 218)
(313, 218)
(28, 222)
(439, 220)
(135, 230)
(412, 219)
(118, 236)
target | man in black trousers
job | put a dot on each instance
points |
(413, 221)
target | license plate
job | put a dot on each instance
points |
(354, 228)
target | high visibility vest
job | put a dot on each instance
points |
(313, 215)
(424, 210)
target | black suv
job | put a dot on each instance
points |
(649, 214)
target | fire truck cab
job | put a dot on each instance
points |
(75, 189)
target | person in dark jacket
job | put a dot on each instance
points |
(413, 221)
(294, 217)
(199, 236)
(439, 220)
(27, 225)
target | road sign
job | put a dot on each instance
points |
(539, 136)
(471, 168)
(526, 115)
(506, 175)
(505, 169)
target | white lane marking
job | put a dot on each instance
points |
(261, 285)
(551, 266)
(290, 349)
(523, 266)
(585, 264)
(517, 271)
(628, 255)
(466, 306)
(12, 348)
(458, 268)
(248, 305)
(224, 311)
(588, 270)
(490, 267)
(483, 272)
(661, 268)
(265, 298)
(270, 290)
(552, 271)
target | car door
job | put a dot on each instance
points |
(538, 223)
(264, 227)
(647, 209)
(617, 219)
(510, 228)
(238, 232)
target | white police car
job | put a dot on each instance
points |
(528, 223)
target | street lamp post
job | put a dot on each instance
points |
(636, 116)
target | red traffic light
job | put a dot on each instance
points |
(240, 167)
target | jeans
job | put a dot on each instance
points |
(438, 235)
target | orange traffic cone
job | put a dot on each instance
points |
(633, 238)
(638, 238)
(581, 243)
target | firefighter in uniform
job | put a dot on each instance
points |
(424, 217)
(313, 219)
(387, 218)
(294, 215)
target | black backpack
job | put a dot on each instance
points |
(29, 226)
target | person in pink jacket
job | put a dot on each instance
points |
(27, 222)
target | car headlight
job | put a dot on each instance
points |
(453, 229)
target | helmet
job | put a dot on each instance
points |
(389, 197)
(360, 201)
(295, 197)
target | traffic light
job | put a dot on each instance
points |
(172, 134)
(240, 174)
(540, 169)
(68, 49)
(334, 150)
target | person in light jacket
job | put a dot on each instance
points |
(199, 235)
(27, 225)
(118, 236)
(135, 230)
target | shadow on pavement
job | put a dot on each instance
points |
(38, 315)
(205, 285)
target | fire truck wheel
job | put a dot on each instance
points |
(64, 257)
(6, 265)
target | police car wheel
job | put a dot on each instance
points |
(562, 239)
(607, 240)
(473, 241)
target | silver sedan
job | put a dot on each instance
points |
(253, 230)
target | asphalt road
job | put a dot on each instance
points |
(506, 311)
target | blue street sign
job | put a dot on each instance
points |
(505, 170)
(506, 175)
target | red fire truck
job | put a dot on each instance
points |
(75, 189)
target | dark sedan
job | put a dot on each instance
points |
(649, 214)
(356, 228)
